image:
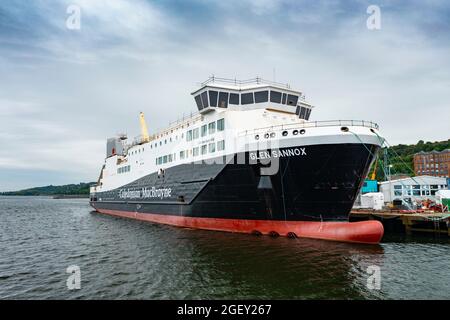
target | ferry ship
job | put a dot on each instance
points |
(249, 160)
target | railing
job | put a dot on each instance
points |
(140, 139)
(193, 116)
(236, 82)
(185, 118)
(312, 124)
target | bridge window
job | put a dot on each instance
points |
(181, 155)
(292, 100)
(308, 113)
(213, 98)
(302, 113)
(204, 149)
(275, 96)
(284, 98)
(234, 98)
(261, 96)
(189, 135)
(247, 98)
(195, 152)
(198, 101)
(223, 99)
(205, 99)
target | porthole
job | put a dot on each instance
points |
(295, 132)
(257, 137)
(285, 133)
(302, 131)
(344, 129)
(266, 136)
(272, 135)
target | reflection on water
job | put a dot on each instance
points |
(119, 258)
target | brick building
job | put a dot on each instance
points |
(432, 163)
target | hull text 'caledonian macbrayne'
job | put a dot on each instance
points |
(249, 161)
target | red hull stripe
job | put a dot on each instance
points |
(361, 232)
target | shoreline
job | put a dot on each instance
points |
(54, 196)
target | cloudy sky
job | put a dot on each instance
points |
(64, 91)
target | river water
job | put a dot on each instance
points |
(124, 259)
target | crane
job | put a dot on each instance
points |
(144, 130)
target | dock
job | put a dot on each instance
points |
(410, 222)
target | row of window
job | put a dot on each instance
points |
(194, 134)
(418, 187)
(436, 158)
(212, 98)
(415, 192)
(209, 148)
(432, 165)
(205, 129)
(184, 154)
(124, 169)
(165, 159)
(134, 152)
(431, 172)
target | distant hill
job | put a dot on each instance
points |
(401, 156)
(68, 189)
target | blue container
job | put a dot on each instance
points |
(369, 186)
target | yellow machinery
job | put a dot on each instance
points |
(374, 173)
(144, 130)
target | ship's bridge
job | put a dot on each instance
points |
(250, 94)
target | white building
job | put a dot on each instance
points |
(412, 190)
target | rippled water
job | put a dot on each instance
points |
(126, 259)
